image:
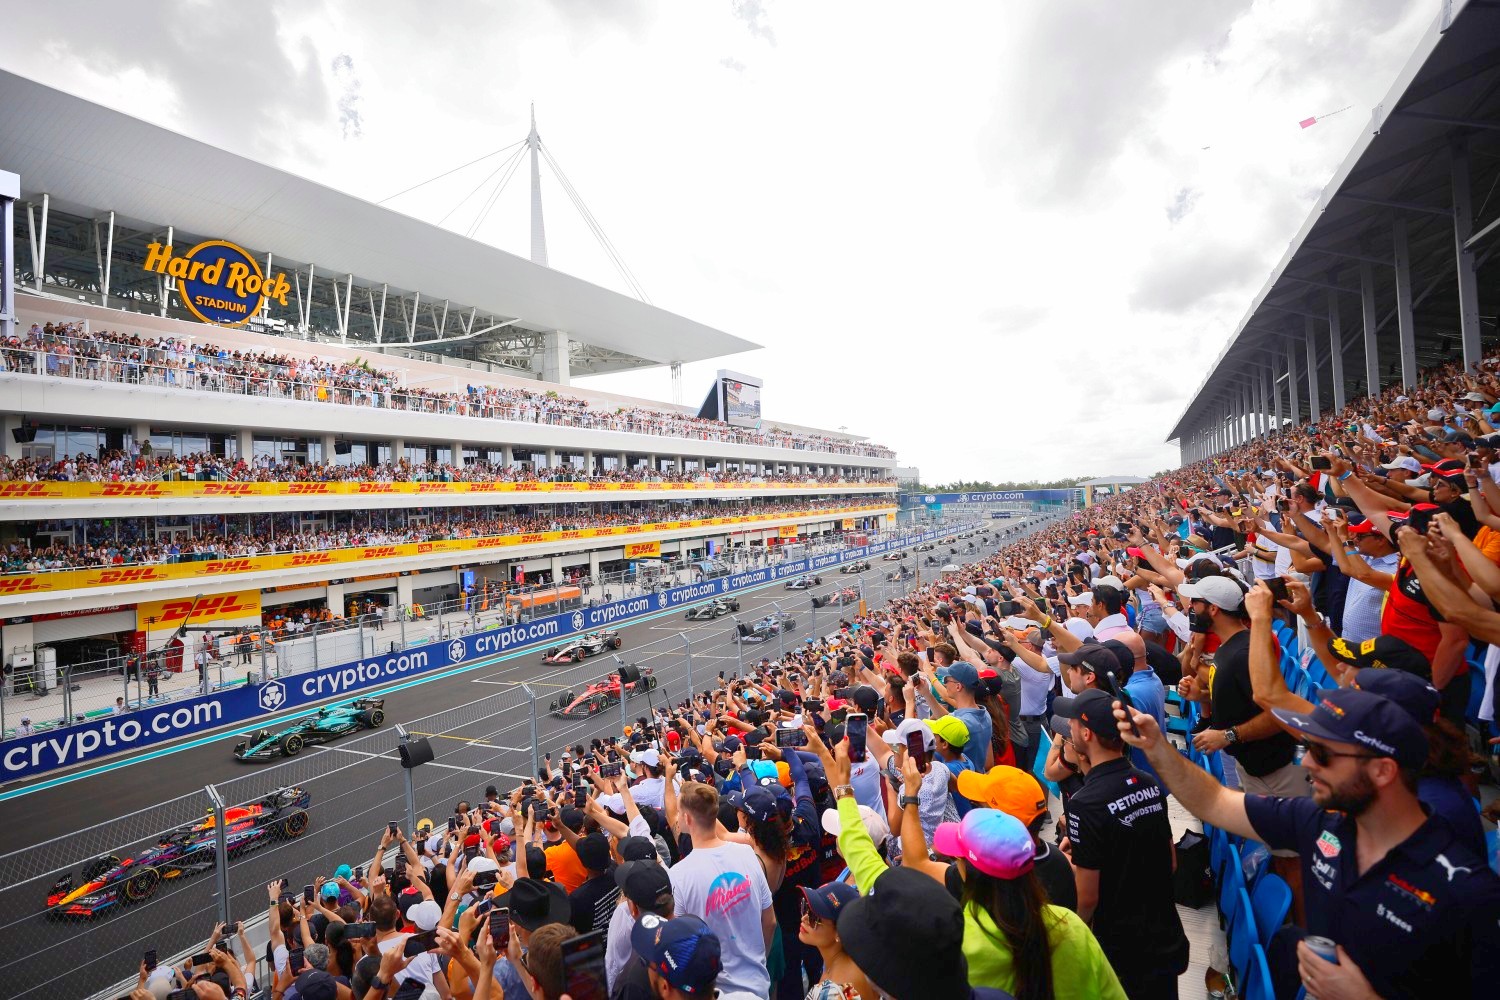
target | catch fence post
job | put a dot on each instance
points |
(536, 753)
(221, 853)
(687, 648)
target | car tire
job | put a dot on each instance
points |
(141, 884)
(294, 825)
(616, 642)
(372, 718)
(578, 655)
(291, 744)
(650, 683)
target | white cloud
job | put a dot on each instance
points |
(952, 232)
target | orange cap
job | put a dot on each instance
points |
(1009, 789)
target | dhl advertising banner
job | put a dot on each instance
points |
(243, 706)
(45, 583)
(643, 550)
(189, 490)
(787, 531)
(159, 619)
(848, 524)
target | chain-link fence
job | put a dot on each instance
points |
(148, 879)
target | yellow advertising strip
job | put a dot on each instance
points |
(787, 531)
(48, 583)
(195, 490)
(643, 550)
(848, 524)
(168, 615)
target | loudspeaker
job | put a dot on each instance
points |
(25, 434)
(342, 447)
(415, 752)
(629, 673)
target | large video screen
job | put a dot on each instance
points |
(741, 402)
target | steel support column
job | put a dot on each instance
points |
(1294, 403)
(1275, 397)
(1405, 327)
(1463, 227)
(1336, 351)
(1310, 335)
(109, 257)
(1372, 323)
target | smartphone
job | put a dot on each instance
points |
(485, 880)
(149, 958)
(287, 898)
(391, 826)
(1128, 703)
(790, 738)
(418, 943)
(471, 851)
(612, 769)
(812, 704)
(307, 894)
(499, 927)
(583, 967)
(293, 961)
(580, 796)
(854, 730)
(359, 873)
(1475, 461)
(752, 752)
(1321, 463)
(187, 994)
(452, 823)
(1277, 586)
(226, 946)
(233, 927)
(721, 675)
(360, 930)
(916, 747)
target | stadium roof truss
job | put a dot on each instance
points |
(98, 186)
(1383, 278)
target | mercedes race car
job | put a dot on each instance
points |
(804, 582)
(717, 608)
(109, 882)
(597, 697)
(579, 649)
(847, 595)
(856, 567)
(766, 628)
(324, 727)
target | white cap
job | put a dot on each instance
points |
(1080, 600)
(1404, 462)
(1219, 591)
(897, 737)
(1197, 557)
(879, 829)
(648, 757)
(482, 864)
(1111, 581)
(1436, 413)
(425, 915)
(1079, 627)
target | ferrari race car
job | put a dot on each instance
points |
(893, 556)
(109, 882)
(847, 595)
(856, 567)
(804, 582)
(324, 727)
(766, 628)
(597, 697)
(710, 610)
(579, 649)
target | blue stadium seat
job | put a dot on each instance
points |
(1271, 898)
(1256, 984)
(1476, 691)
(1039, 766)
(1243, 936)
(1216, 766)
(1262, 864)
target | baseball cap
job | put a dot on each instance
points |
(649, 757)
(1404, 462)
(637, 849)
(1346, 715)
(962, 672)
(683, 951)
(906, 936)
(1110, 581)
(1362, 527)
(995, 842)
(1385, 651)
(425, 915)
(1091, 655)
(1093, 708)
(875, 824)
(1008, 789)
(828, 900)
(330, 890)
(593, 851)
(1419, 698)
(1220, 591)
(759, 803)
(950, 729)
(1080, 600)
(645, 883)
(897, 737)
(867, 698)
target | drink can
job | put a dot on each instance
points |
(1323, 947)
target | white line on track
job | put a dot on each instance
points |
(430, 763)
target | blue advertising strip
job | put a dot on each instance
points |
(21, 757)
(994, 496)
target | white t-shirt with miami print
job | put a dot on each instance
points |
(726, 887)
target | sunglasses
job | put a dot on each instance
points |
(809, 916)
(1322, 756)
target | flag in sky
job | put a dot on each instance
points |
(1308, 122)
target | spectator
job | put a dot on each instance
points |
(594, 900)
(682, 956)
(645, 888)
(1016, 793)
(819, 929)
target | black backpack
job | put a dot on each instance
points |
(1193, 881)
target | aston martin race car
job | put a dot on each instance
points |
(847, 595)
(579, 649)
(710, 610)
(766, 628)
(804, 582)
(324, 727)
(109, 882)
(597, 697)
(855, 567)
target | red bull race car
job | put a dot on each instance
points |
(579, 649)
(598, 697)
(108, 882)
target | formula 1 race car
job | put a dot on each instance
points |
(804, 582)
(848, 595)
(766, 628)
(109, 882)
(893, 556)
(324, 727)
(926, 547)
(579, 649)
(856, 567)
(710, 610)
(597, 697)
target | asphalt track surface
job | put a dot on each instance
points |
(477, 721)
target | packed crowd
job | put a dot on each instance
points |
(128, 541)
(70, 351)
(123, 467)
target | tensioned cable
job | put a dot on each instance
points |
(488, 177)
(593, 224)
(445, 173)
(484, 213)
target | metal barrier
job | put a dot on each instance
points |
(308, 815)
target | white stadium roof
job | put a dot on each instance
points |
(90, 159)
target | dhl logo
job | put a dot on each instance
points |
(11, 491)
(571, 534)
(377, 487)
(227, 606)
(305, 488)
(526, 487)
(563, 487)
(20, 585)
(132, 490)
(379, 552)
(634, 529)
(226, 566)
(426, 547)
(310, 559)
(129, 576)
(492, 542)
(534, 536)
(228, 489)
(484, 487)
(433, 488)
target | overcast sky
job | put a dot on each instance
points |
(1004, 238)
